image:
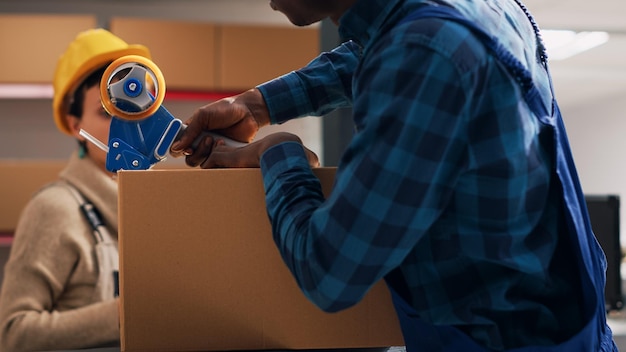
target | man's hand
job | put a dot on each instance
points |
(238, 118)
(223, 156)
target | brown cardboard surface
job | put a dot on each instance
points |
(199, 271)
(32, 44)
(250, 55)
(184, 51)
(19, 180)
(205, 56)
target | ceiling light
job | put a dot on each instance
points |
(563, 44)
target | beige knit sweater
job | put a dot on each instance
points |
(47, 300)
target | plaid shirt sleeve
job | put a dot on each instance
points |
(320, 87)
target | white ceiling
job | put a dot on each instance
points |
(606, 15)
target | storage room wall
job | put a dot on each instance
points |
(590, 88)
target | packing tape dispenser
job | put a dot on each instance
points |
(132, 91)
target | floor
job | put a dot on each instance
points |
(617, 318)
(617, 322)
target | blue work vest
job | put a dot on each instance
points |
(421, 336)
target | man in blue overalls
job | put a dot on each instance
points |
(458, 187)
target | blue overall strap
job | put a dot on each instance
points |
(420, 336)
(596, 335)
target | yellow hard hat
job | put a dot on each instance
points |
(90, 50)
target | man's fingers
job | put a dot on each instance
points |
(183, 145)
(202, 151)
(224, 156)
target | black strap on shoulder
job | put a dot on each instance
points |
(90, 212)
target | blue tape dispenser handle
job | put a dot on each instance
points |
(227, 141)
(141, 132)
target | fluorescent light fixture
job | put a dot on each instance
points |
(563, 44)
(25, 91)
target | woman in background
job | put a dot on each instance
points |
(60, 282)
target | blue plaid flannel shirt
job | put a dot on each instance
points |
(444, 181)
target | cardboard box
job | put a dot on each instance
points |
(277, 50)
(199, 271)
(201, 56)
(184, 51)
(19, 180)
(32, 43)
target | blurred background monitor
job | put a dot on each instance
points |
(605, 222)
